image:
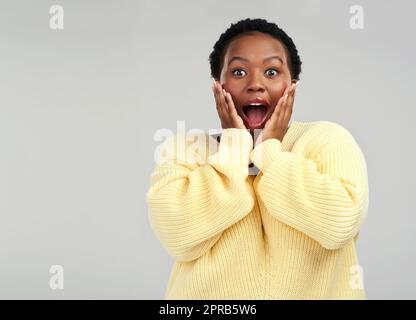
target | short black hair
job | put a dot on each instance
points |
(249, 26)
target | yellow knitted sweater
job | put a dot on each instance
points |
(288, 232)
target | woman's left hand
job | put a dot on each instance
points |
(278, 122)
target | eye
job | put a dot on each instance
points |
(267, 72)
(233, 72)
(276, 72)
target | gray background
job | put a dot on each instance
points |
(79, 108)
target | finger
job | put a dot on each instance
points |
(222, 98)
(233, 111)
(277, 110)
(230, 103)
(291, 96)
(221, 105)
(293, 88)
(290, 103)
(289, 107)
(217, 102)
(285, 104)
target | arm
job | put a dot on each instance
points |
(191, 204)
(326, 198)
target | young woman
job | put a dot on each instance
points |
(288, 232)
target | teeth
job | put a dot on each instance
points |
(255, 105)
(245, 108)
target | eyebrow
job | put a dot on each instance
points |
(244, 59)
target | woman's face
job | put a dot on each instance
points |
(247, 74)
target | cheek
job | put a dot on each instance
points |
(231, 91)
(228, 88)
(276, 95)
(282, 88)
(279, 91)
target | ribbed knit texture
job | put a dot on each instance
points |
(288, 233)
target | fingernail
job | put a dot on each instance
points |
(297, 83)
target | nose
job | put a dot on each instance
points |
(255, 84)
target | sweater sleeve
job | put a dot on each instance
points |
(325, 198)
(191, 202)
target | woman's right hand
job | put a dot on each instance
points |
(226, 109)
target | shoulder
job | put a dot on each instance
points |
(311, 137)
(329, 132)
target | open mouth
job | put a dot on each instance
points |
(254, 115)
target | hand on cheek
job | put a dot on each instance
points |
(277, 125)
(226, 108)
